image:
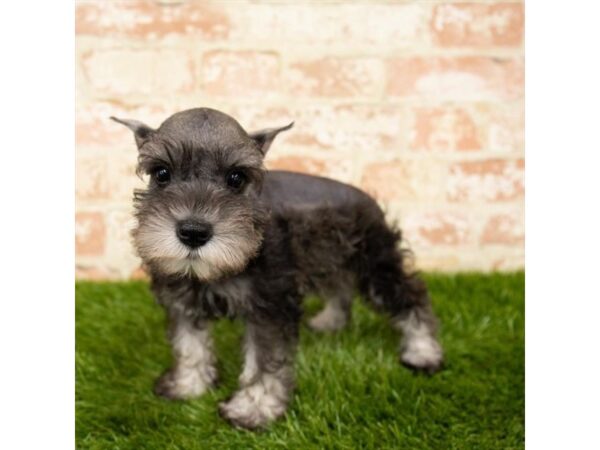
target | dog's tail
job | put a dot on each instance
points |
(385, 275)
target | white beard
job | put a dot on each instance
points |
(227, 252)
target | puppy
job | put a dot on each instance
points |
(222, 237)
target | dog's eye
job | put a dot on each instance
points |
(162, 176)
(236, 179)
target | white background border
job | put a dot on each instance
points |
(562, 224)
(37, 225)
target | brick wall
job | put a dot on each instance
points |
(419, 103)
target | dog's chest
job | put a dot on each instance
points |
(228, 298)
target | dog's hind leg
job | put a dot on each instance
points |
(402, 295)
(338, 305)
(335, 315)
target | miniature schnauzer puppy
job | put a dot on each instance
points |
(220, 237)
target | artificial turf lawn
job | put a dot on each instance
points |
(352, 392)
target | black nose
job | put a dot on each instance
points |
(194, 234)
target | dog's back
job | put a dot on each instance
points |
(283, 190)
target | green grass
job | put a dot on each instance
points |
(352, 393)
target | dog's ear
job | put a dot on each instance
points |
(264, 138)
(141, 131)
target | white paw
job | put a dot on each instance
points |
(423, 353)
(254, 406)
(185, 383)
(328, 320)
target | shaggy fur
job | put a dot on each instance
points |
(270, 240)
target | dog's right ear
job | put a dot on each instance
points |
(141, 131)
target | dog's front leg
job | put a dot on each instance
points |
(193, 371)
(267, 380)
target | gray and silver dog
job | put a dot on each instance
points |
(222, 237)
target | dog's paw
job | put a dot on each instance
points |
(423, 354)
(252, 407)
(181, 384)
(328, 320)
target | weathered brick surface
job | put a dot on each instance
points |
(445, 128)
(138, 274)
(437, 228)
(339, 169)
(468, 127)
(240, 73)
(120, 253)
(93, 272)
(90, 234)
(504, 229)
(145, 72)
(91, 181)
(456, 78)
(335, 77)
(150, 20)
(419, 103)
(475, 24)
(404, 180)
(506, 131)
(493, 180)
(401, 25)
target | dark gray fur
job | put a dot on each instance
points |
(282, 236)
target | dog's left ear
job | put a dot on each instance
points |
(264, 138)
(141, 131)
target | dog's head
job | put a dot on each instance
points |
(200, 213)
